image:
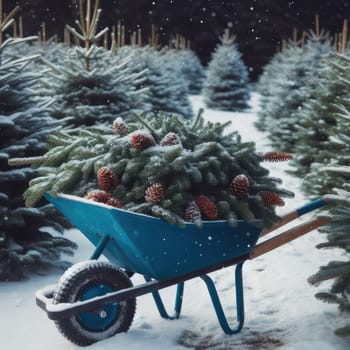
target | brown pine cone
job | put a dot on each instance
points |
(207, 207)
(141, 140)
(277, 156)
(170, 139)
(114, 203)
(154, 193)
(271, 199)
(120, 127)
(192, 212)
(107, 180)
(98, 196)
(239, 186)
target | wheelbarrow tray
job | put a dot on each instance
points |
(152, 247)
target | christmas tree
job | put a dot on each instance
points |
(165, 167)
(226, 84)
(192, 69)
(291, 88)
(24, 122)
(167, 87)
(338, 236)
(319, 116)
(90, 84)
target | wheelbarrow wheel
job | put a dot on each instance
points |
(87, 280)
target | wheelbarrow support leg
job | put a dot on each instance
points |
(100, 247)
(178, 302)
(217, 304)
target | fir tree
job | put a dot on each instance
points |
(167, 87)
(162, 166)
(24, 122)
(294, 87)
(338, 236)
(319, 116)
(226, 84)
(91, 84)
(192, 69)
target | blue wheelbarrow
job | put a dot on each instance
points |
(96, 299)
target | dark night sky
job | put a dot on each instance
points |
(259, 25)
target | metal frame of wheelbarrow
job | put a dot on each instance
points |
(61, 311)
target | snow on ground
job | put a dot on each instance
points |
(280, 309)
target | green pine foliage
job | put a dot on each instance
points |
(24, 122)
(333, 148)
(338, 237)
(191, 68)
(95, 95)
(166, 84)
(226, 86)
(285, 96)
(203, 162)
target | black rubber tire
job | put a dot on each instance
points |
(71, 286)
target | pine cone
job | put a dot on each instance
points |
(114, 203)
(107, 180)
(239, 186)
(207, 207)
(271, 198)
(141, 140)
(120, 127)
(154, 193)
(277, 156)
(170, 139)
(192, 212)
(98, 196)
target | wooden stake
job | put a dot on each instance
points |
(122, 38)
(344, 35)
(336, 42)
(340, 39)
(153, 35)
(14, 27)
(295, 35)
(303, 39)
(139, 37)
(43, 32)
(317, 25)
(20, 28)
(119, 34)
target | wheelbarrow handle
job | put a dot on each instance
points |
(307, 208)
(286, 237)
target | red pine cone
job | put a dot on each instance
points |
(154, 193)
(207, 207)
(277, 156)
(170, 139)
(107, 180)
(192, 212)
(239, 186)
(271, 198)
(120, 127)
(141, 140)
(114, 203)
(98, 196)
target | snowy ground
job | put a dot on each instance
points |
(281, 311)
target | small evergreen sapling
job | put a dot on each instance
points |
(226, 85)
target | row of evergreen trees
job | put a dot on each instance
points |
(305, 110)
(49, 86)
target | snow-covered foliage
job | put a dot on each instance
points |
(24, 123)
(90, 96)
(338, 236)
(287, 83)
(226, 85)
